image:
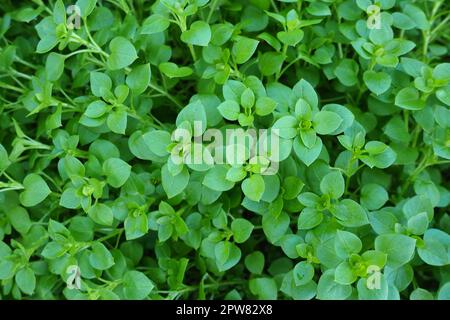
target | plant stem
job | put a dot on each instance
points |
(285, 47)
(166, 94)
(211, 10)
(109, 236)
(274, 5)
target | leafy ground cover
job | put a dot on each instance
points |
(99, 201)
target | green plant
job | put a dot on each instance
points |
(111, 184)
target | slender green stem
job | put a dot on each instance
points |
(274, 6)
(26, 63)
(211, 10)
(183, 27)
(167, 94)
(10, 87)
(284, 54)
(109, 236)
(406, 119)
(290, 64)
(79, 52)
(23, 75)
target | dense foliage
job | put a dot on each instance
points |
(94, 203)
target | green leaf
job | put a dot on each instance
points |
(333, 184)
(373, 257)
(36, 190)
(86, 7)
(303, 89)
(227, 255)
(242, 229)
(318, 9)
(379, 292)
(82, 228)
(254, 262)
(325, 122)
(47, 33)
(243, 49)
(421, 294)
(275, 226)
(373, 196)
(444, 292)
(4, 159)
(19, 219)
(351, 214)
(199, 34)
(444, 95)
(307, 155)
(174, 185)
(221, 33)
(139, 78)
(122, 53)
(160, 140)
(377, 82)
(270, 62)
(54, 66)
(7, 269)
(309, 218)
(117, 121)
(346, 243)
(380, 155)
(418, 224)
(96, 109)
(308, 199)
(136, 285)
(303, 273)
(102, 214)
(253, 187)
(247, 98)
(417, 15)
(101, 84)
(100, 258)
(59, 12)
(305, 292)
(329, 289)
(116, 171)
(399, 248)
(236, 174)
(347, 72)
(409, 99)
(140, 143)
(70, 199)
(265, 106)
(308, 137)
(52, 250)
(264, 288)
(154, 24)
(229, 109)
(344, 274)
(245, 120)
(441, 72)
(121, 92)
(171, 70)
(291, 37)
(396, 130)
(26, 14)
(26, 280)
(194, 111)
(436, 247)
(286, 127)
(292, 186)
(215, 179)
